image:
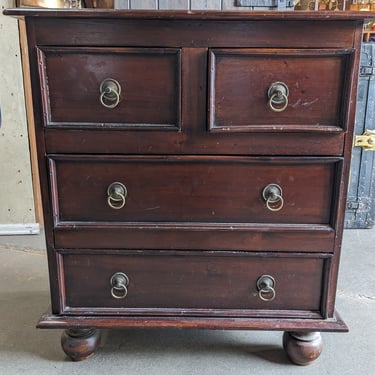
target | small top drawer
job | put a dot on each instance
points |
(278, 90)
(104, 87)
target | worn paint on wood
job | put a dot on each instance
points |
(360, 207)
(143, 4)
(205, 4)
(174, 4)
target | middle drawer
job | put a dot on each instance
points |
(192, 189)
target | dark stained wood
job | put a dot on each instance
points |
(193, 33)
(43, 172)
(192, 189)
(52, 321)
(240, 79)
(80, 344)
(303, 348)
(199, 237)
(201, 15)
(145, 100)
(194, 234)
(144, 142)
(342, 191)
(191, 284)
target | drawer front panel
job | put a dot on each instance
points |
(192, 189)
(315, 98)
(147, 91)
(193, 282)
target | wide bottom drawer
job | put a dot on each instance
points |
(193, 284)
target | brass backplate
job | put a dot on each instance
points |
(366, 140)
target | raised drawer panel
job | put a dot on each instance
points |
(316, 98)
(192, 189)
(194, 283)
(148, 91)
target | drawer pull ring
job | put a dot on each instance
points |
(116, 193)
(278, 94)
(266, 288)
(110, 93)
(119, 283)
(273, 196)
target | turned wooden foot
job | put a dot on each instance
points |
(302, 348)
(80, 344)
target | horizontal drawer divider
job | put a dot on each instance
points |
(197, 253)
(196, 226)
(295, 128)
(134, 141)
(289, 238)
(275, 159)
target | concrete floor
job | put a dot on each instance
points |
(25, 350)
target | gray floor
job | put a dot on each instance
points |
(25, 350)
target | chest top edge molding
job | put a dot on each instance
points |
(201, 15)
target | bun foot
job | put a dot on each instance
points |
(302, 348)
(80, 344)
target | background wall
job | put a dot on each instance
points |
(17, 213)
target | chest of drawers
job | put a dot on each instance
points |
(194, 169)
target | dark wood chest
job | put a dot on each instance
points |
(194, 169)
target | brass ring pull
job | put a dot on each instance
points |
(116, 195)
(278, 199)
(110, 93)
(266, 288)
(119, 282)
(272, 102)
(272, 195)
(278, 94)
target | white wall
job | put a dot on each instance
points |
(16, 193)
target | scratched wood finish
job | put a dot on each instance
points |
(172, 237)
(143, 100)
(194, 234)
(193, 189)
(48, 320)
(247, 75)
(197, 283)
(235, 32)
(196, 113)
